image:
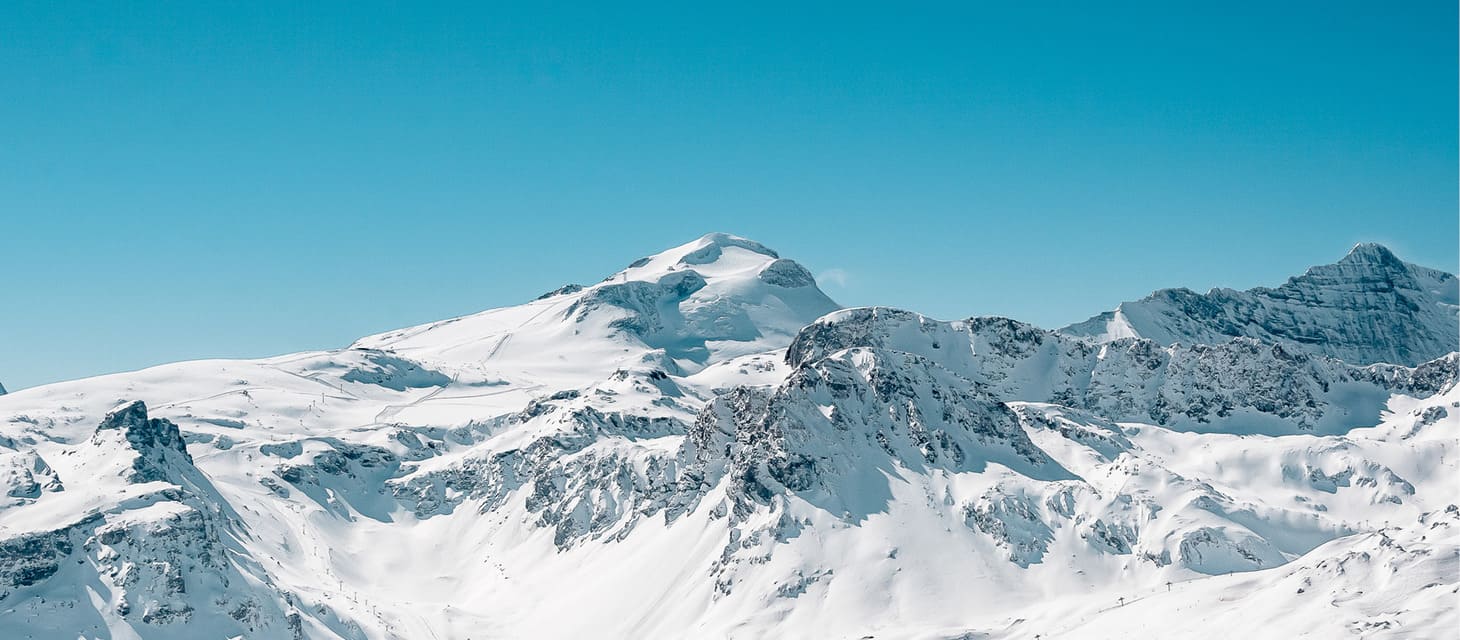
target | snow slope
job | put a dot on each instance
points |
(696, 304)
(703, 445)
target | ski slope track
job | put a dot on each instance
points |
(705, 445)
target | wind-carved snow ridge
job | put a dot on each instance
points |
(703, 444)
(1368, 307)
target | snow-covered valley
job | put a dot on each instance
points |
(705, 445)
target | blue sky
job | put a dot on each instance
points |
(181, 181)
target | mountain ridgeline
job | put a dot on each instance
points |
(1368, 307)
(704, 444)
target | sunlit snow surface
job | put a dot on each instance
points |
(669, 454)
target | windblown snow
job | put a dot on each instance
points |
(706, 445)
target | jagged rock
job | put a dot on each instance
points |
(1368, 307)
(157, 443)
(1012, 520)
(835, 422)
(561, 291)
(29, 558)
(786, 273)
(1197, 386)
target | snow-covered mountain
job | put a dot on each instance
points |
(1368, 307)
(705, 445)
(691, 306)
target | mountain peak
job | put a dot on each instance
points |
(712, 251)
(719, 257)
(127, 416)
(716, 297)
(724, 240)
(1371, 253)
(153, 441)
(1368, 307)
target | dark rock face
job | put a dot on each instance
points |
(580, 492)
(837, 426)
(786, 273)
(851, 328)
(155, 560)
(1010, 519)
(29, 558)
(155, 440)
(1368, 307)
(561, 291)
(1124, 379)
(1427, 379)
(1204, 383)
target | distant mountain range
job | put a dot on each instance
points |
(705, 445)
(1369, 307)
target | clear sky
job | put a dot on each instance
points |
(181, 181)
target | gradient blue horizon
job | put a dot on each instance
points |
(183, 181)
